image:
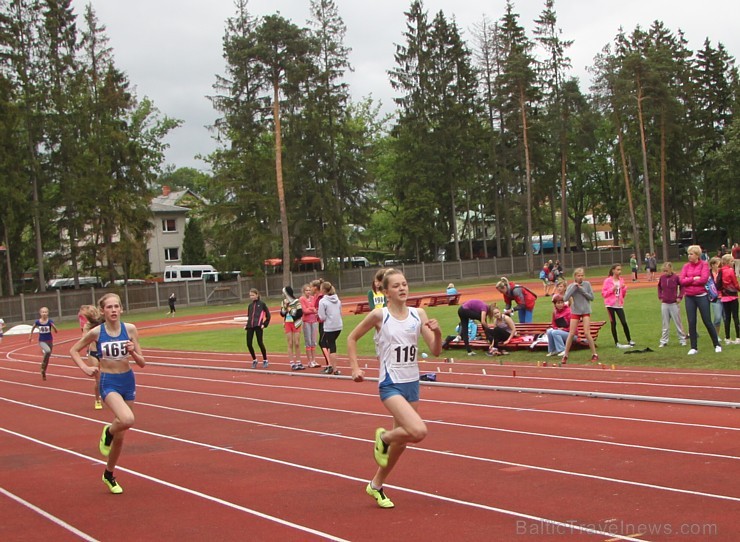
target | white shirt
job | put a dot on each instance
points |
(397, 348)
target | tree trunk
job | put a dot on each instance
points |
(453, 219)
(7, 262)
(663, 209)
(528, 172)
(280, 187)
(564, 234)
(645, 173)
(628, 188)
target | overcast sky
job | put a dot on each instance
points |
(171, 50)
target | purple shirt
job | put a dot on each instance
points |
(475, 305)
(668, 288)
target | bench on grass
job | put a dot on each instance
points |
(528, 336)
(415, 301)
(443, 299)
(361, 307)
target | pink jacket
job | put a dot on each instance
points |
(611, 289)
(692, 286)
(310, 315)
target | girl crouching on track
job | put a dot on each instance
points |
(116, 342)
(398, 328)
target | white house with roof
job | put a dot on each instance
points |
(170, 210)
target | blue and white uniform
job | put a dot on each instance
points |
(45, 335)
(114, 349)
(398, 348)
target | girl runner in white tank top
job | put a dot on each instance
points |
(398, 328)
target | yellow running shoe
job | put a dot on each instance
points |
(98, 405)
(379, 496)
(116, 489)
(105, 446)
(381, 448)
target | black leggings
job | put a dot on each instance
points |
(251, 332)
(466, 315)
(329, 341)
(620, 314)
(496, 335)
(730, 311)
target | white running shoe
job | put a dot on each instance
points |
(662, 345)
(717, 349)
(623, 346)
(728, 341)
(693, 351)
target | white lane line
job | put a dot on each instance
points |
(181, 488)
(55, 520)
(147, 373)
(357, 439)
(538, 519)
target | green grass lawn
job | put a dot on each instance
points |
(642, 309)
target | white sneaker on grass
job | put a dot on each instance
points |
(693, 351)
(717, 349)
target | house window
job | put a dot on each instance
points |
(171, 254)
(169, 225)
(608, 235)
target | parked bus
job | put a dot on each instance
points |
(175, 273)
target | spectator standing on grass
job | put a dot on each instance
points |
(290, 310)
(171, 302)
(670, 294)
(317, 295)
(473, 309)
(547, 277)
(736, 257)
(116, 343)
(310, 325)
(693, 278)
(715, 303)
(330, 312)
(375, 296)
(728, 296)
(399, 328)
(633, 267)
(560, 288)
(580, 294)
(46, 326)
(613, 290)
(520, 296)
(258, 318)
(557, 333)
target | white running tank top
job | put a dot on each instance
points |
(397, 348)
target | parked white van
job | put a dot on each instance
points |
(174, 273)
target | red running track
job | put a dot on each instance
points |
(225, 452)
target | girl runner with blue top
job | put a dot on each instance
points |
(398, 328)
(45, 325)
(116, 343)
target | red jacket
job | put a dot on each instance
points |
(729, 281)
(521, 296)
